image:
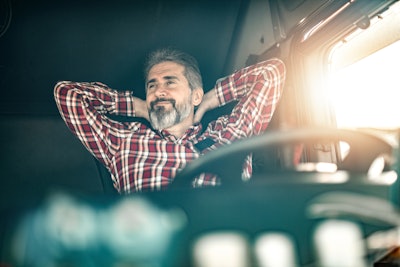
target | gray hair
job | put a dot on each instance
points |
(191, 72)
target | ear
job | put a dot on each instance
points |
(197, 96)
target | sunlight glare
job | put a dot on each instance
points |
(367, 93)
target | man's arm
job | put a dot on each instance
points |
(84, 108)
(257, 89)
(209, 102)
(141, 110)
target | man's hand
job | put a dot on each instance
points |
(141, 108)
(210, 101)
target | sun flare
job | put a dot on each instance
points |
(367, 93)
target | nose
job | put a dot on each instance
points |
(160, 91)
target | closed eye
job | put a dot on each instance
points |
(150, 86)
(171, 79)
(170, 82)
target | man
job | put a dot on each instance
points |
(142, 157)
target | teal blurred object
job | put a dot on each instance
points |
(69, 231)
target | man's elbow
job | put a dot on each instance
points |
(61, 89)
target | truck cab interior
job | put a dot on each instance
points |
(325, 188)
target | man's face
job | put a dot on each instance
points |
(168, 95)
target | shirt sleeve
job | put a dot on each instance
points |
(84, 108)
(257, 89)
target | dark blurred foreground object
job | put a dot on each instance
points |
(391, 259)
(203, 227)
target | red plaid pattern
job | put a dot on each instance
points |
(140, 158)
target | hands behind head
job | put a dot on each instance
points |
(210, 101)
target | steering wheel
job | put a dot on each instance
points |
(228, 161)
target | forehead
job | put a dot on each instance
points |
(166, 68)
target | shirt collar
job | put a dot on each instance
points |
(191, 133)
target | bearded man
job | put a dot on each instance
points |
(146, 156)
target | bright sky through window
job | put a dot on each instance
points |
(367, 93)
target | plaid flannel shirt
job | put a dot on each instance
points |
(142, 159)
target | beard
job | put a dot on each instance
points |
(162, 117)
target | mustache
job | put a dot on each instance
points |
(158, 100)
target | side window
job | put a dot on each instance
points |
(366, 94)
(364, 75)
(364, 81)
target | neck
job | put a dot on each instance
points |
(178, 130)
